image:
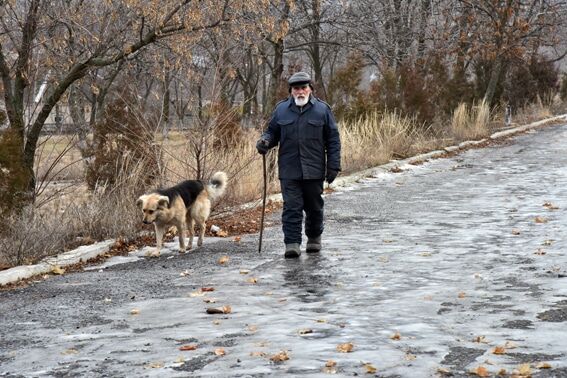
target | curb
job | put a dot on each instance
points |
(84, 253)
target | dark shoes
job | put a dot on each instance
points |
(313, 245)
(292, 251)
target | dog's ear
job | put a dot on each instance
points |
(140, 201)
(163, 202)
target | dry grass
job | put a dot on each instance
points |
(471, 122)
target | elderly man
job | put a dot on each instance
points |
(309, 152)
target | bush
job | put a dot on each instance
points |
(525, 84)
(123, 137)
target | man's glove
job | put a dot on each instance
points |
(262, 146)
(331, 175)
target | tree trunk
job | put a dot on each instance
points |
(495, 74)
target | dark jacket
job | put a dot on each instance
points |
(308, 138)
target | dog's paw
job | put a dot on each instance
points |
(154, 253)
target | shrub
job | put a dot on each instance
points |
(123, 136)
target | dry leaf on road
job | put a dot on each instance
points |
(481, 371)
(56, 269)
(370, 369)
(396, 336)
(499, 350)
(540, 219)
(345, 348)
(188, 347)
(223, 260)
(279, 357)
(220, 352)
(305, 331)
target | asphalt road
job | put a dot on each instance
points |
(454, 266)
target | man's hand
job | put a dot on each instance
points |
(331, 175)
(262, 146)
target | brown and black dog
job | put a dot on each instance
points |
(181, 205)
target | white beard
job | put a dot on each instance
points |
(301, 101)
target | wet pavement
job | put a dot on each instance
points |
(454, 266)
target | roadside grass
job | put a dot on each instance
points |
(67, 215)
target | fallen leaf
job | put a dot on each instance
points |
(462, 295)
(207, 289)
(180, 360)
(388, 241)
(543, 365)
(305, 331)
(237, 239)
(444, 371)
(540, 252)
(188, 347)
(222, 234)
(107, 300)
(212, 310)
(220, 352)
(321, 320)
(396, 336)
(369, 369)
(280, 357)
(216, 322)
(56, 269)
(223, 260)
(197, 293)
(515, 232)
(226, 309)
(134, 311)
(428, 297)
(257, 354)
(480, 339)
(155, 365)
(184, 273)
(547, 242)
(425, 254)
(540, 219)
(70, 351)
(330, 363)
(525, 370)
(499, 350)
(481, 371)
(252, 328)
(252, 280)
(550, 206)
(244, 271)
(410, 357)
(209, 300)
(502, 373)
(345, 348)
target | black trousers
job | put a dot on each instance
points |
(302, 196)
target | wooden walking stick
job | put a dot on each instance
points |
(263, 203)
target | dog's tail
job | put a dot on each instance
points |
(217, 185)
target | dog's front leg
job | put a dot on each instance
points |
(159, 239)
(182, 234)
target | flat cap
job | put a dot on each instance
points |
(299, 78)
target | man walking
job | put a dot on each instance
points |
(309, 152)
